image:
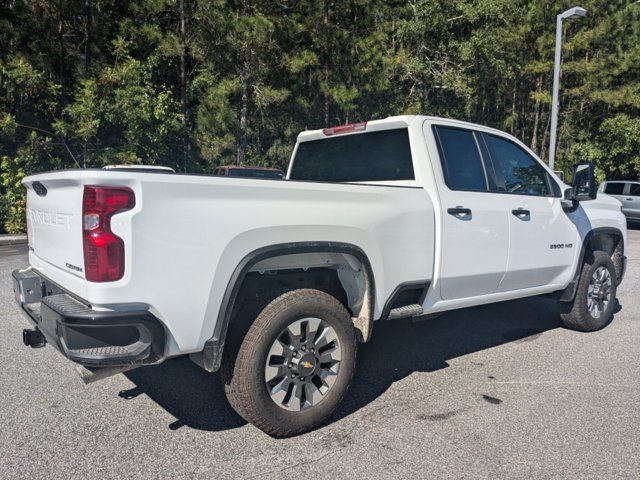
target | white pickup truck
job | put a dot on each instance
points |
(274, 282)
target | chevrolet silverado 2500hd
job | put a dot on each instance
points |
(275, 282)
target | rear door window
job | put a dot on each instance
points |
(614, 188)
(461, 161)
(634, 189)
(520, 172)
(364, 157)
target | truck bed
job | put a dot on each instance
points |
(187, 233)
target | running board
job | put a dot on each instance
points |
(404, 312)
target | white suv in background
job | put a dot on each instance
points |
(628, 192)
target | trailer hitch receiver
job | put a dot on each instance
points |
(33, 338)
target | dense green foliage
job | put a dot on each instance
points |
(193, 84)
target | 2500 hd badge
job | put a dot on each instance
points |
(555, 246)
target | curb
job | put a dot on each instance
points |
(12, 239)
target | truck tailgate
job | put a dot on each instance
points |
(54, 222)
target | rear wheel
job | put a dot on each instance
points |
(295, 364)
(592, 307)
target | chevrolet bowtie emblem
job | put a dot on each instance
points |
(306, 364)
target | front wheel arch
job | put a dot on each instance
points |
(578, 314)
(607, 239)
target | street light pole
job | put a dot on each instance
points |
(574, 12)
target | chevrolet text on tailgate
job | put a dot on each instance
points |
(274, 283)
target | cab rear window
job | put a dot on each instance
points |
(365, 157)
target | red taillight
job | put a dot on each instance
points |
(103, 250)
(348, 128)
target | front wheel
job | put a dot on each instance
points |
(592, 307)
(294, 365)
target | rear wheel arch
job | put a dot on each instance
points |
(264, 382)
(262, 258)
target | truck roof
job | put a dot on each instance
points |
(398, 121)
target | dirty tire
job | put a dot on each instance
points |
(244, 376)
(575, 315)
(250, 307)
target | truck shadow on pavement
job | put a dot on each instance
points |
(187, 392)
(397, 349)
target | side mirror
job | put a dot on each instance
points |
(584, 182)
(569, 203)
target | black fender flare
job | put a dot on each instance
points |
(211, 356)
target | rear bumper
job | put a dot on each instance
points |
(89, 337)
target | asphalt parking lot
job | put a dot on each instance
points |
(494, 391)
